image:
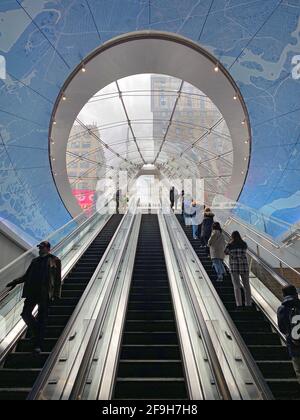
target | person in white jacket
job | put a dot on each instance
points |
(193, 215)
(217, 247)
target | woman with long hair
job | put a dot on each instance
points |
(216, 245)
(239, 268)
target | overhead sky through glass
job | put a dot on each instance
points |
(150, 119)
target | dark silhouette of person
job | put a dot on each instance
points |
(289, 324)
(42, 285)
(118, 193)
(172, 197)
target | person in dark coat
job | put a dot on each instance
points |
(172, 197)
(42, 285)
(239, 269)
(289, 324)
(182, 204)
(206, 227)
(118, 194)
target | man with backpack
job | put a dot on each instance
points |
(289, 324)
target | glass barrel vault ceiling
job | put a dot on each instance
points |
(150, 119)
(42, 42)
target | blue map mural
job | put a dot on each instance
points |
(42, 41)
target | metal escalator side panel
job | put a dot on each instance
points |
(246, 376)
(21, 367)
(70, 249)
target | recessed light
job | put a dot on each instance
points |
(235, 97)
(64, 98)
(83, 69)
(54, 122)
(243, 122)
(216, 68)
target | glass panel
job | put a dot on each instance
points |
(66, 242)
(156, 111)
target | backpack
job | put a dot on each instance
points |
(295, 325)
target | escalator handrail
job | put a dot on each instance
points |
(284, 282)
(6, 292)
(20, 330)
(52, 360)
(84, 368)
(251, 364)
(216, 368)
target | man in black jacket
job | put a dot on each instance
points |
(289, 324)
(42, 285)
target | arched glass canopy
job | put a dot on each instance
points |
(149, 119)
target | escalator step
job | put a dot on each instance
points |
(285, 389)
(25, 345)
(154, 338)
(61, 310)
(149, 306)
(14, 394)
(270, 353)
(150, 369)
(150, 326)
(277, 369)
(18, 378)
(253, 326)
(135, 297)
(148, 352)
(31, 361)
(150, 315)
(173, 388)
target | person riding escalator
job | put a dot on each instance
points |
(42, 285)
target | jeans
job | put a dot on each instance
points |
(195, 229)
(237, 288)
(36, 325)
(296, 364)
(219, 267)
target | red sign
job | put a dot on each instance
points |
(85, 198)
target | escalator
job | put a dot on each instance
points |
(260, 337)
(150, 365)
(21, 367)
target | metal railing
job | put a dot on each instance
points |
(59, 375)
(98, 371)
(246, 380)
(69, 250)
(196, 344)
(282, 263)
